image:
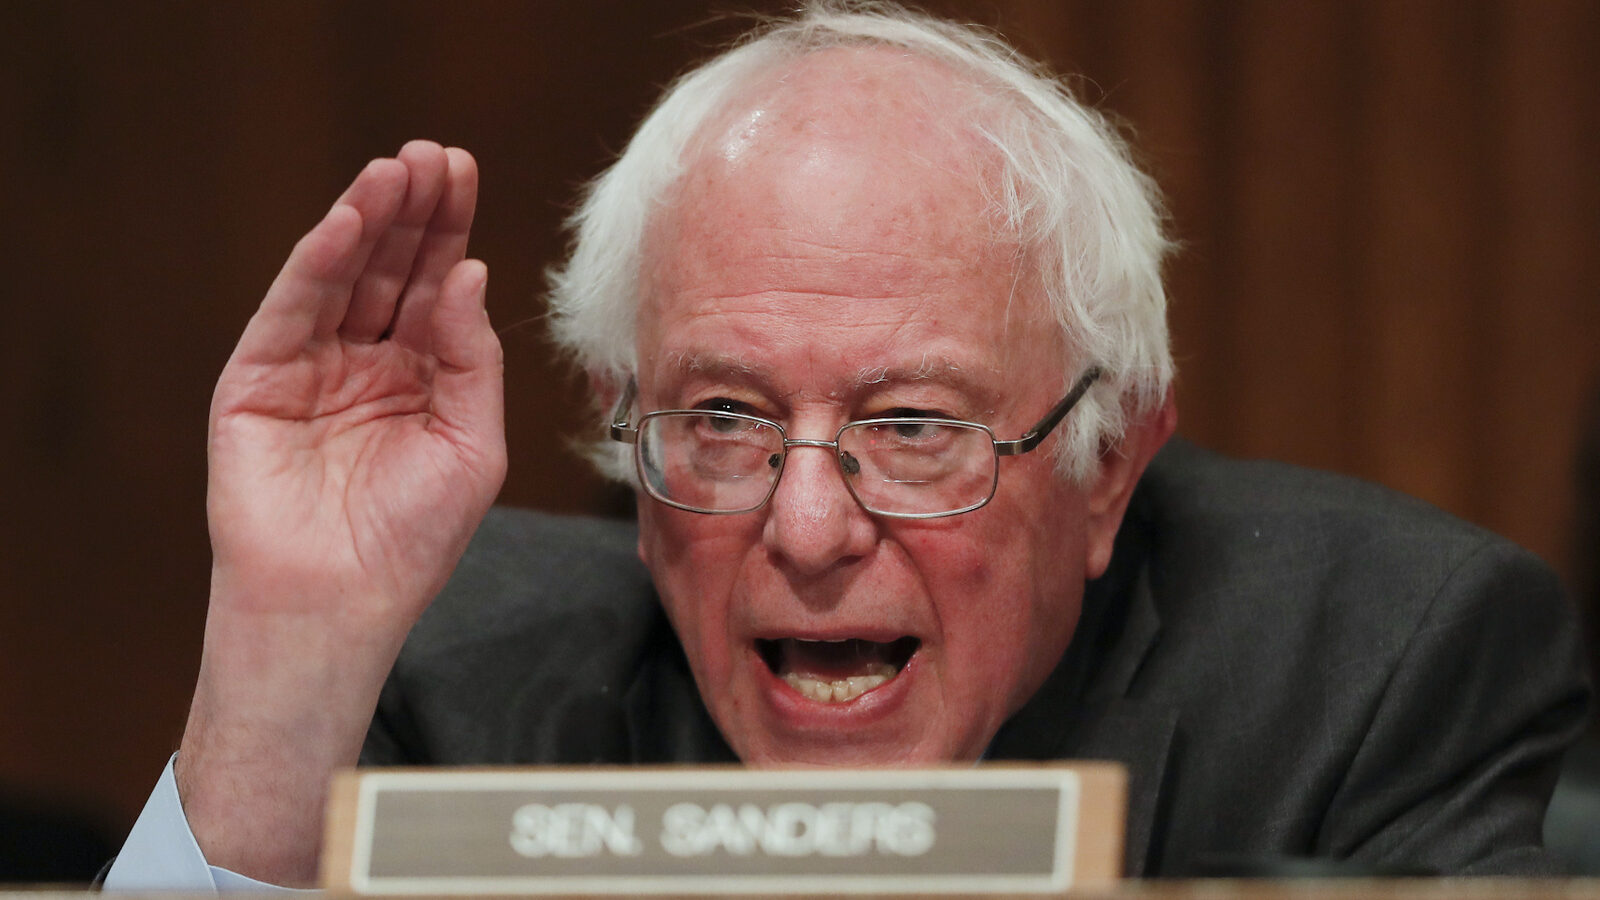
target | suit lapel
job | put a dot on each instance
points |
(1135, 732)
(1085, 711)
(1138, 735)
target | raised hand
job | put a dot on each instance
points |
(356, 440)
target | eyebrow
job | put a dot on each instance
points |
(722, 365)
(933, 367)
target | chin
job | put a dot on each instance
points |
(845, 752)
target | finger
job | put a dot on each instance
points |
(467, 387)
(378, 288)
(312, 291)
(444, 245)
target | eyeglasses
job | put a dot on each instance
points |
(720, 463)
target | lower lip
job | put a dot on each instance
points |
(800, 711)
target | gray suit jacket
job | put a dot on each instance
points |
(1288, 662)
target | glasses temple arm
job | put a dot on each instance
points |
(620, 429)
(1051, 419)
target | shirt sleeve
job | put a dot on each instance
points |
(161, 853)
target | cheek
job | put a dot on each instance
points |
(1008, 591)
(983, 586)
(1014, 557)
(947, 557)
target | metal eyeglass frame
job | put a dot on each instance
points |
(626, 433)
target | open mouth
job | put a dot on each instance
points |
(836, 671)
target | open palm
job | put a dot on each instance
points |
(357, 439)
(356, 435)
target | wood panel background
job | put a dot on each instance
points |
(1390, 210)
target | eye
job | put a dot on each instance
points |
(913, 431)
(725, 425)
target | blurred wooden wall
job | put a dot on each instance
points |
(1389, 209)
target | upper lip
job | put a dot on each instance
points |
(875, 633)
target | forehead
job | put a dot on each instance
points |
(847, 189)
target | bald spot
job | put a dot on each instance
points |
(866, 155)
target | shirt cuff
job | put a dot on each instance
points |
(161, 853)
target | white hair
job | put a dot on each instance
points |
(1090, 222)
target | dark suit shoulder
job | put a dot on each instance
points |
(1373, 659)
(526, 653)
(523, 565)
(1189, 482)
(1266, 569)
(1242, 526)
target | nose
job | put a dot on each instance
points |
(813, 522)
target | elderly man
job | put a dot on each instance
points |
(875, 313)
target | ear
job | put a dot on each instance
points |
(1121, 466)
(605, 388)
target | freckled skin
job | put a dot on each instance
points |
(831, 227)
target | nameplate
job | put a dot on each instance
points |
(725, 830)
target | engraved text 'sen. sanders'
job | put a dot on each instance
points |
(570, 830)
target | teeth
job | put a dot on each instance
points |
(843, 689)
